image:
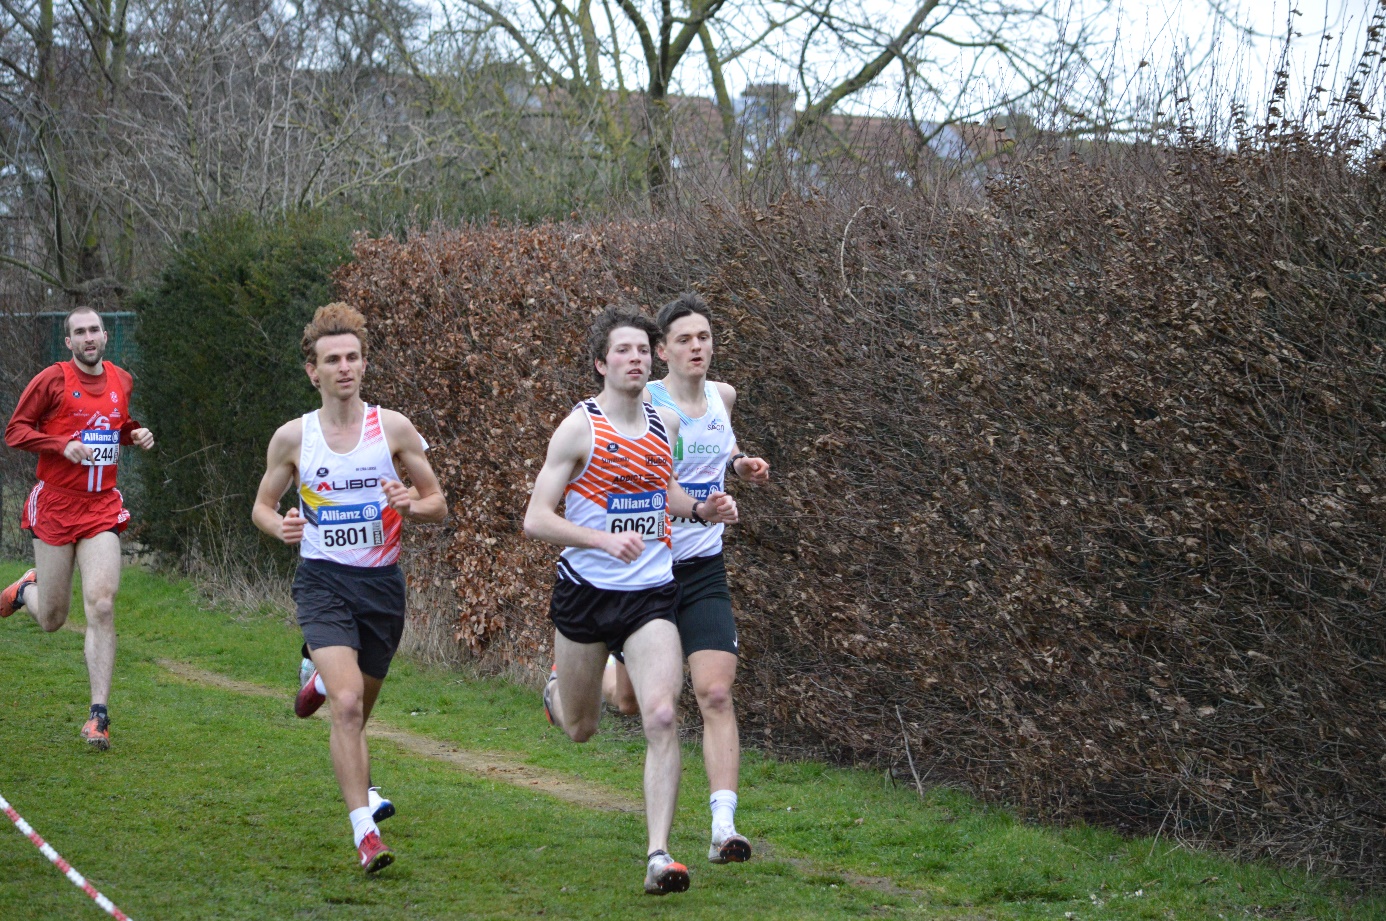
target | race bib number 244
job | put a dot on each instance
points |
(105, 447)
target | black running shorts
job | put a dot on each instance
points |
(357, 606)
(587, 614)
(705, 610)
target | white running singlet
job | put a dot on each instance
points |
(348, 520)
(622, 487)
(700, 465)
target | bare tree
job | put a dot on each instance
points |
(835, 49)
(125, 123)
(57, 63)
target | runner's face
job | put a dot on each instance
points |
(340, 366)
(627, 365)
(687, 346)
(86, 338)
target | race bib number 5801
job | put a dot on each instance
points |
(351, 526)
(105, 447)
(641, 512)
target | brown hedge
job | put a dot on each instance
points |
(1079, 478)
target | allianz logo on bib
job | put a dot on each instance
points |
(694, 449)
(636, 502)
(348, 514)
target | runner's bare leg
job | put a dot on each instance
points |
(576, 701)
(713, 672)
(49, 598)
(346, 694)
(98, 559)
(654, 660)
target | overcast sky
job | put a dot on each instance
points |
(1232, 52)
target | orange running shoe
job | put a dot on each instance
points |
(374, 854)
(97, 732)
(9, 598)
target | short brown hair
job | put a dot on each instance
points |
(67, 320)
(335, 319)
(684, 305)
(610, 320)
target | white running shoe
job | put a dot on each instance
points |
(381, 808)
(305, 672)
(664, 875)
(728, 847)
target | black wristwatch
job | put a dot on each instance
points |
(735, 458)
(694, 514)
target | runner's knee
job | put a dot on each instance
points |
(348, 706)
(52, 621)
(661, 717)
(101, 609)
(581, 730)
(715, 698)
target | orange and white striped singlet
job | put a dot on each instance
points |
(622, 487)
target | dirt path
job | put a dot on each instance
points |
(497, 766)
(492, 765)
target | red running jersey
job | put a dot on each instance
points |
(92, 409)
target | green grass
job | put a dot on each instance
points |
(213, 803)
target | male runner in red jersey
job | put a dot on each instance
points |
(75, 415)
(343, 461)
(610, 463)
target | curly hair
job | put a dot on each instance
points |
(333, 319)
(610, 320)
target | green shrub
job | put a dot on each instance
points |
(219, 369)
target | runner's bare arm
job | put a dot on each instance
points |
(281, 464)
(566, 455)
(424, 500)
(754, 470)
(717, 508)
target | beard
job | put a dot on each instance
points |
(82, 359)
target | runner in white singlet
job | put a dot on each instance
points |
(706, 448)
(610, 463)
(350, 507)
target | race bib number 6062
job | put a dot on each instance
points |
(641, 512)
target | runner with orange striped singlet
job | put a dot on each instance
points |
(610, 463)
(344, 461)
(704, 453)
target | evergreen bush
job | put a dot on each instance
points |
(219, 369)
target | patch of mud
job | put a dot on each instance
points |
(492, 765)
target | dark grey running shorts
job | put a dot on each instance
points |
(705, 610)
(357, 606)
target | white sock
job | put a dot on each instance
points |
(319, 686)
(362, 824)
(724, 809)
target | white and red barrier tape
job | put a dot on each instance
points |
(56, 859)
